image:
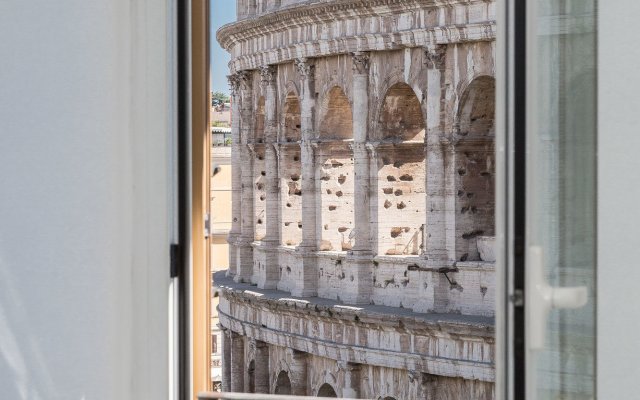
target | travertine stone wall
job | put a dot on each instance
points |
(335, 183)
(365, 143)
(401, 199)
(290, 194)
(259, 192)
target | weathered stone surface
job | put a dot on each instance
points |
(364, 138)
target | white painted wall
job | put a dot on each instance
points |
(618, 195)
(84, 206)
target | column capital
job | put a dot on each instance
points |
(360, 62)
(268, 75)
(373, 149)
(234, 84)
(435, 55)
(306, 67)
(244, 79)
(348, 366)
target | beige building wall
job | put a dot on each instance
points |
(221, 116)
(220, 225)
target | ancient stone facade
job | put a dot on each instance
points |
(361, 250)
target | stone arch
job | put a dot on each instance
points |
(393, 79)
(326, 390)
(461, 94)
(335, 173)
(336, 118)
(400, 116)
(401, 173)
(290, 172)
(251, 375)
(283, 383)
(476, 108)
(475, 168)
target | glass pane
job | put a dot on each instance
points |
(562, 188)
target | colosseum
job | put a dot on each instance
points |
(361, 251)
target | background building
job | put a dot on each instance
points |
(220, 224)
(221, 115)
(361, 246)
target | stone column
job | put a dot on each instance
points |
(307, 284)
(268, 277)
(435, 246)
(237, 363)
(360, 155)
(262, 368)
(351, 387)
(236, 176)
(298, 373)
(359, 263)
(245, 253)
(436, 224)
(226, 360)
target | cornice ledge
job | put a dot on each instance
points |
(366, 43)
(321, 11)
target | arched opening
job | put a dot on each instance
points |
(259, 174)
(389, 398)
(401, 118)
(401, 174)
(335, 173)
(475, 171)
(477, 111)
(252, 376)
(290, 173)
(326, 390)
(283, 383)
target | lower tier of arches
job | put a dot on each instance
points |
(275, 343)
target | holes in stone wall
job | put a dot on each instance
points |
(291, 194)
(401, 178)
(259, 195)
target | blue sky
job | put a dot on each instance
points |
(222, 12)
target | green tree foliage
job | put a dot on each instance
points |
(218, 98)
